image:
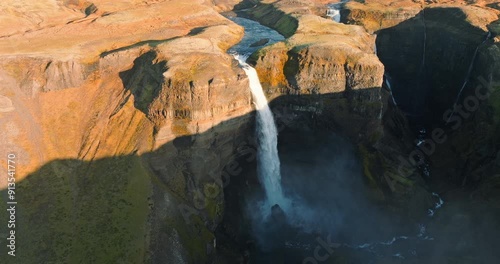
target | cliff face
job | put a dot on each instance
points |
(225, 5)
(436, 55)
(95, 115)
(438, 62)
(474, 141)
(431, 58)
(332, 78)
(325, 58)
(333, 63)
(375, 15)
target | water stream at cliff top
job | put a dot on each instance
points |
(334, 10)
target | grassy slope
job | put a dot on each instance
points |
(74, 212)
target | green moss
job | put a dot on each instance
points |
(375, 136)
(287, 25)
(75, 212)
(369, 161)
(147, 94)
(194, 237)
(398, 178)
(372, 161)
(270, 16)
(213, 208)
(495, 28)
(177, 183)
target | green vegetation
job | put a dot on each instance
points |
(193, 236)
(369, 161)
(270, 16)
(80, 212)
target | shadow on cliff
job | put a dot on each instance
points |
(145, 79)
(164, 206)
(428, 59)
(125, 208)
(436, 62)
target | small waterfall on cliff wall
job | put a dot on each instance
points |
(422, 131)
(422, 67)
(389, 87)
(467, 76)
(425, 36)
(268, 163)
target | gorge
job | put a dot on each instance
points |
(252, 131)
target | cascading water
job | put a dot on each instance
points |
(268, 163)
(333, 13)
(422, 67)
(467, 76)
(422, 132)
(334, 10)
(389, 87)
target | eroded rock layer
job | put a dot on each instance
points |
(108, 112)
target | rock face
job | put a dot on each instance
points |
(54, 13)
(375, 15)
(332, 79)
(444, 77)
(109, 127)
(437, 57)
(341, 64)
(225, 5)
(320, 59)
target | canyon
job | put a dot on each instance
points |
(134, 127)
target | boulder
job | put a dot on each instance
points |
(259, 43)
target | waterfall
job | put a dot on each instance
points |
(268, 163)
(389, 87)
(467, 76)
(425, 43)
(334, 10)
(333, 13)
